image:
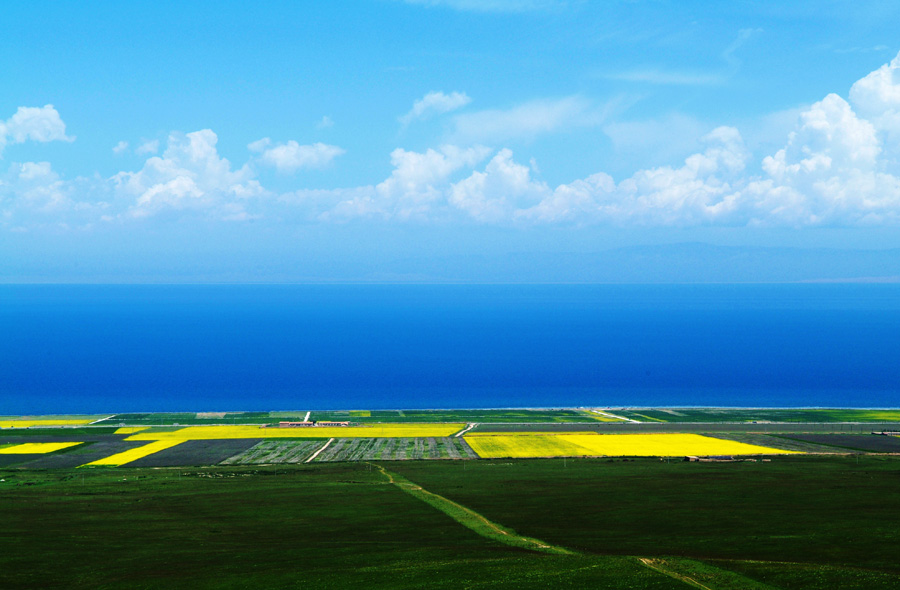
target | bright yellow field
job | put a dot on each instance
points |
(610, 445)
(529, 433)
(249, 431)
(36, 448)
(44, 421)
(135, 454)
(130, 429)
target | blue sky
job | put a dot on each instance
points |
(317, 141)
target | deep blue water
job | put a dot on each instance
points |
(154, 348)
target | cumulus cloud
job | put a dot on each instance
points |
(190, 175)
(291, 156)
(34, 185)
(839, 165)
(41, 124)
(435, 103)
(416, 186)
(120, 147)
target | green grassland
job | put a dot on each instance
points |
(837, 519)
(792, 523)
(328, 526)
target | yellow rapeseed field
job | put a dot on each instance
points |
(249, 431)
(43, 421)
(134, 454)
(610, 445)
(130, 429)
(36, 448)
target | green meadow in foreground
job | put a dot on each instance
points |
(792, 523)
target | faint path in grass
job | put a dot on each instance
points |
(316, 454)
(471, 519)
(702, 575)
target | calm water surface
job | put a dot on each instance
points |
(152, 348)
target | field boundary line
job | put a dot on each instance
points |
(316, 454)
(469, 518)
(101, 420)
(466, 429)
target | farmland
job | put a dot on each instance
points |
(636, 524)
(36, 448)
(619, 445)
(226, 432)
(134, 454)
(758, 415)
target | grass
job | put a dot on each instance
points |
(821, 512)
(797, 522)
(471, 519)
(323, 526)
(613, 445)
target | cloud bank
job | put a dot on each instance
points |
(838, 166)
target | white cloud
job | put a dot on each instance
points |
(120, 147)
(495, 194)
(33, 187)
(325, 122)
(291, 156)
(529, 120)
(418, 180)
(41, 124)
(839, 166)
(435, 103)
(190, 175)
(148, 147)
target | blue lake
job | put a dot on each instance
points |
(99, 348)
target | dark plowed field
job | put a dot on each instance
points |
(12, 460)
(873, 443)
(196, 452)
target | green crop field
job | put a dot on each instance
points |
(758, 415)
(836, 519)
(792, 523)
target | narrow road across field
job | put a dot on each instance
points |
(469, 518)
(316, 454)
(466, 429)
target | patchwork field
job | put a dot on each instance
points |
(490, 446)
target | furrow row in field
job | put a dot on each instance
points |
(275, 451)
(396, 449)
